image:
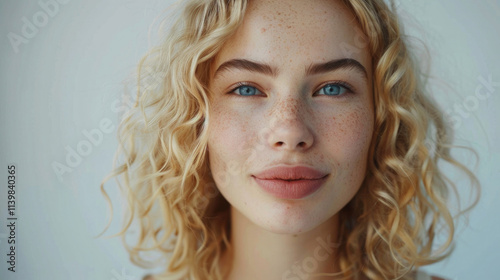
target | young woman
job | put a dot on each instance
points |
(286, 140)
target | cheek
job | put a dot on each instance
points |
(228, 144)
(347, 136)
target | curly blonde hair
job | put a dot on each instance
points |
(387, 229)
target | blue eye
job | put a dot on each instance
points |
(246, 90)
(333, 89)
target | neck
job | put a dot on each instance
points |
(260, 254)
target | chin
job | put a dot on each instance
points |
(287, 219)
(289, 229)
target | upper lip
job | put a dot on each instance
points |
(290, 173)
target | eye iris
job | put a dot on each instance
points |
(332, 89)
(247, 90)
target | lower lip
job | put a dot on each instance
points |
(291, 189)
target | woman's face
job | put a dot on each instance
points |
(291, 88)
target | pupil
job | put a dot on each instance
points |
(332, 89)
(247, 90)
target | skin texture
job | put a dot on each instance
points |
(289, 121)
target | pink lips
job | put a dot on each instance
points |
(291, 182)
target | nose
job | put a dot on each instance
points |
(288, 128)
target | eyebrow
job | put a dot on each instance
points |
(332, 65)
(318, 68)
(245, 64)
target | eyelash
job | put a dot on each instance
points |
(346, 86)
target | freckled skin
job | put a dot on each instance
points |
(288, 122)
(245, 132)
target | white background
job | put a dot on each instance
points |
(68, 77)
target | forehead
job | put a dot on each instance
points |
(297, 32)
